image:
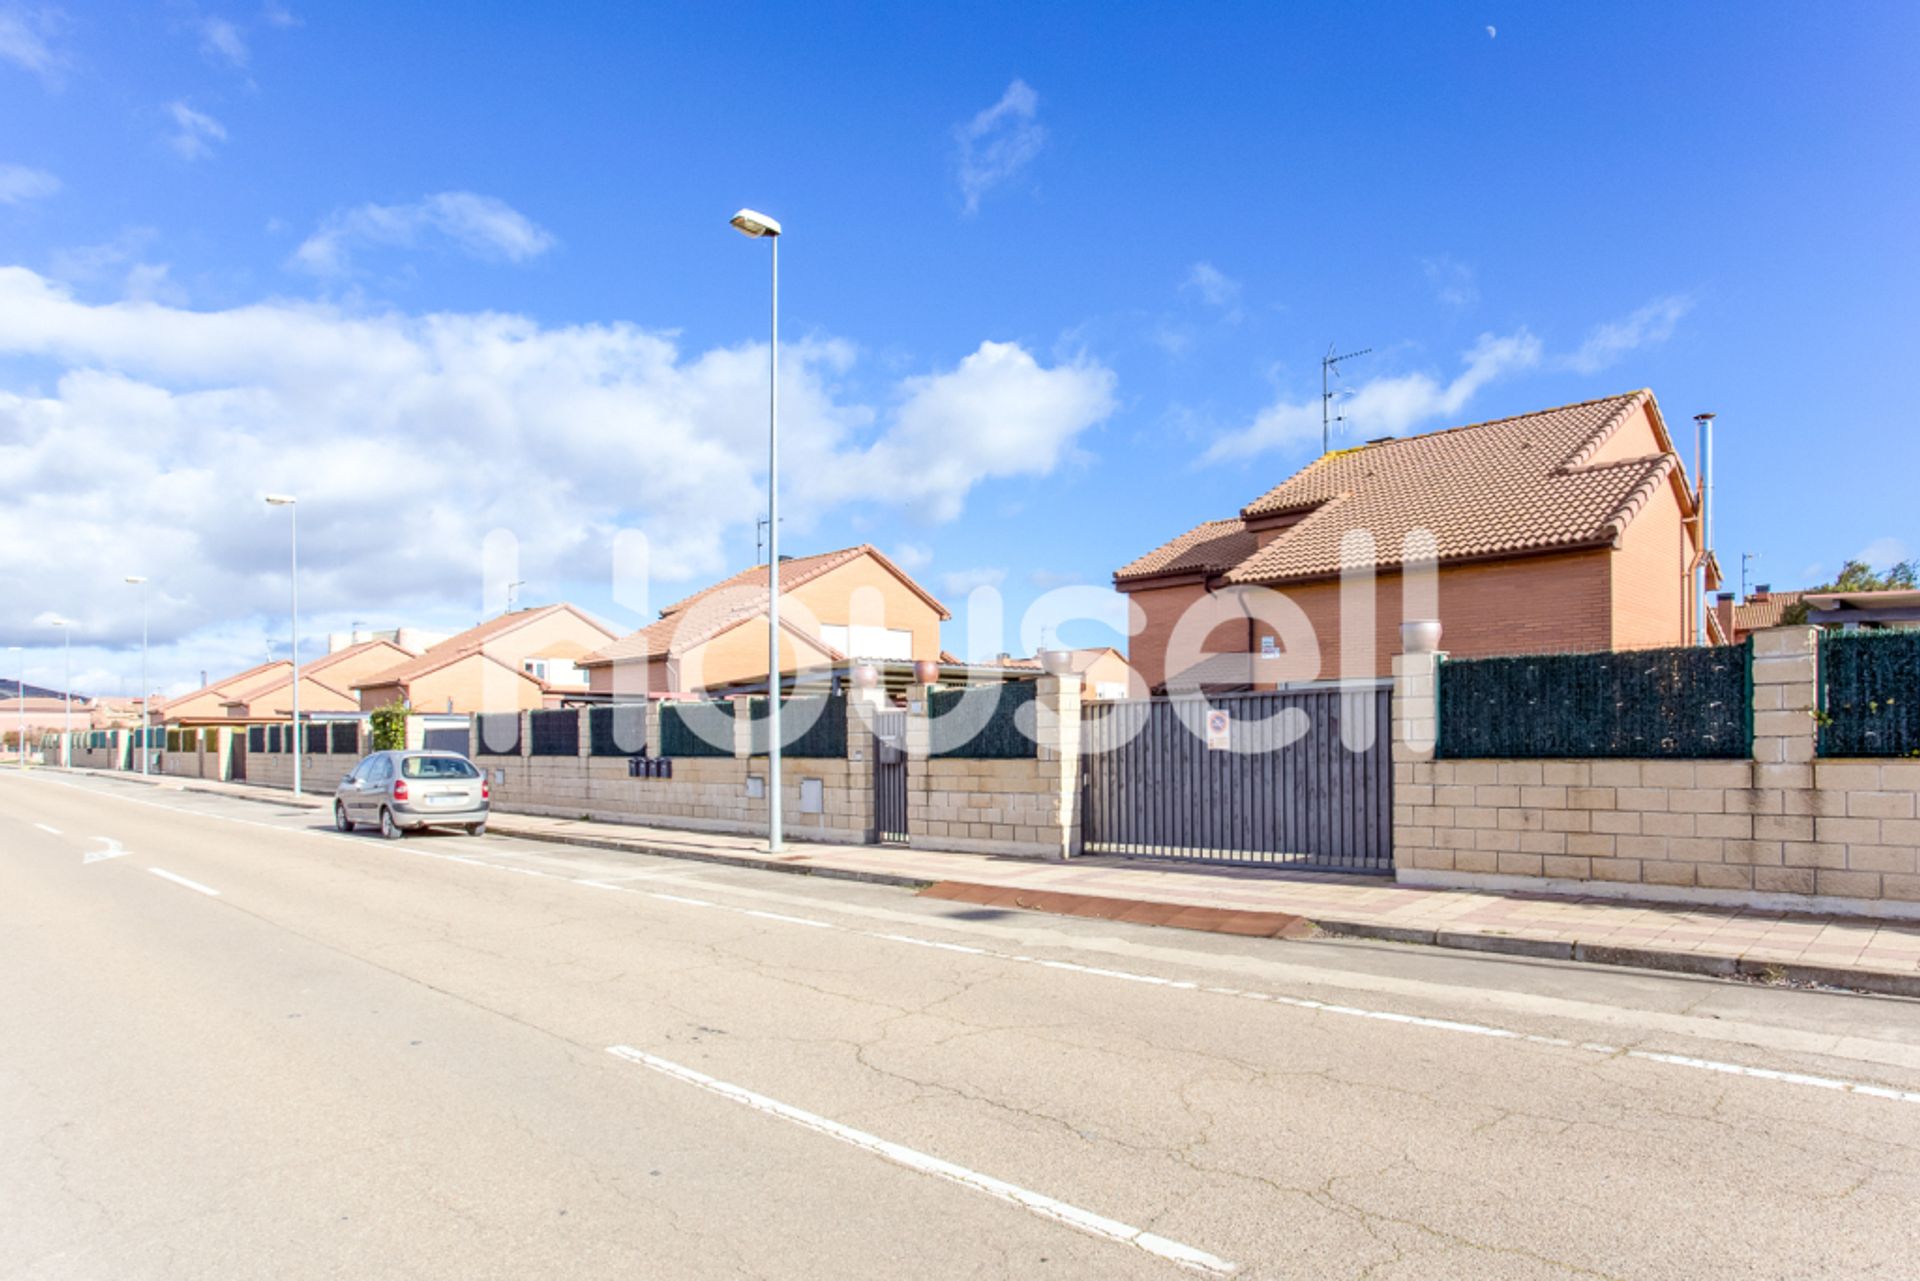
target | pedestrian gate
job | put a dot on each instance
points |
(1264, 778)
(890, 778)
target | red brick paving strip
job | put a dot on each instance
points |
(1212, 920)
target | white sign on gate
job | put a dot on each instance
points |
(1218, 725)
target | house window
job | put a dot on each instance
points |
(869, 642)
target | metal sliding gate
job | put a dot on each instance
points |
(890, 778)
(1300, 778)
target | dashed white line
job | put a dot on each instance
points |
(181, 880)
(50, 831)
(1037, 1203)
(1810, 1080)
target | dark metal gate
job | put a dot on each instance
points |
(890, 778)
(1169, 778)
(445, 738)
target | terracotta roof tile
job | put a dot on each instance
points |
(1212, 547)
(1512, 485)
(733, 600)
(1753, 615)
(471, 641)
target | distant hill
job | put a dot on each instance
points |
(11, 689)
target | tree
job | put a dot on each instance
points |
(1856, 576)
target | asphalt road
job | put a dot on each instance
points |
(234, 1045)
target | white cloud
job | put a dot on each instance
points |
(1653, 323)
(222, 40)
(1384, 406)
(912, 557)
(999, 413)
(960, 582)
(1882, 552)
(1452, 281)
(278, 15)
(1215, 287)
(26, 40)
(998, 142)
(483, 226)
(194, 132)
(19, 184)
(409, 437)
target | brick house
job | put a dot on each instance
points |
(835, 607)
(1566, 529)
(326, 683)
(492, 667)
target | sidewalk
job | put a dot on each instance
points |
(1877, 956)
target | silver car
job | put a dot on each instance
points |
(400, 791)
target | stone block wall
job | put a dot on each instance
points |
(706, 793)
(1782, 829)
(320, 772)
(1029, 806)
(201, 761)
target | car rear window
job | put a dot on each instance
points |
(437, 767)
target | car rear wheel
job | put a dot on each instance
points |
(340, 820)
(388, 828)
(476, 829)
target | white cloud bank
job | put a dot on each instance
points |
(998, 142)
(27, 41)
(1653, 323)
(1385, 406)
(194, 132)
(1390, 406)
(483, 226)
(156, 428)
(19, 184)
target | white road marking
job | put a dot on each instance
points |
(181, 880)
(114, 850)
(50, 831)
(1044, 1206)
(1810, 1080)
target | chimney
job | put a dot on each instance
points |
(1761, 591)
(1723, 611)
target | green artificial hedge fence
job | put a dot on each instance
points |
(620, 730)
(1691, 702)
(678, 738)
(824, 738)
(999, 739)
(1869, 694)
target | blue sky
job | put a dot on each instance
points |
(1057, 281)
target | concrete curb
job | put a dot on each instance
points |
(1709, 965)
(1705, 964)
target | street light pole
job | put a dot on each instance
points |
(66, 750)
(287, 501)
(146, 694)
(20, 692)
(759, 226)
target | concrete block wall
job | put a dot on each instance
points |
(1029, 806)
(320, 772)
(114, 755)
(200, 760)
(1783, 829)
(705, 793)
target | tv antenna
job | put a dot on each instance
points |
(759, 533)
(1330, 370)
(513, 593)
(1746, 558)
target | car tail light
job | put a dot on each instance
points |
(399, 789)
(486, 792)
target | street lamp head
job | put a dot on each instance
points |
(280, 500)
(136, 579)
(749, 222)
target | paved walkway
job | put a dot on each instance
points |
(1882, 956)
